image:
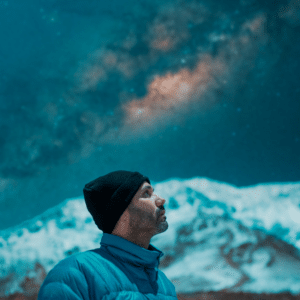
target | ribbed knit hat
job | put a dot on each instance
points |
(108, 196)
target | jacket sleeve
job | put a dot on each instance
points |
(64, 284)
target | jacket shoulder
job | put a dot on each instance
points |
(65, 281)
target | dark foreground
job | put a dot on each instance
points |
(199, 296)
(233, 296)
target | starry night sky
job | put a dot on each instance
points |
(173, 89)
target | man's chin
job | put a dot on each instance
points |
(163, 226)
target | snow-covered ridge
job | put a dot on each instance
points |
(220, 237)
(273, 208)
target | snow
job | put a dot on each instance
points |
(219, 237)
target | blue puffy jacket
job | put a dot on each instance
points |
(119, 270)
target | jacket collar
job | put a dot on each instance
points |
(130, 252)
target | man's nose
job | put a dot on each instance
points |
(160, 201)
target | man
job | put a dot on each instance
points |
(124, 206)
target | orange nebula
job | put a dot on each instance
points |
(171, 94)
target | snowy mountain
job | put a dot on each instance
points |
(220, 237)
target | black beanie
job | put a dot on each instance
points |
(108, 196)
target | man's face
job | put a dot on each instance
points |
(145, 212)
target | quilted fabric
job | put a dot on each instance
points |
(119, 269)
